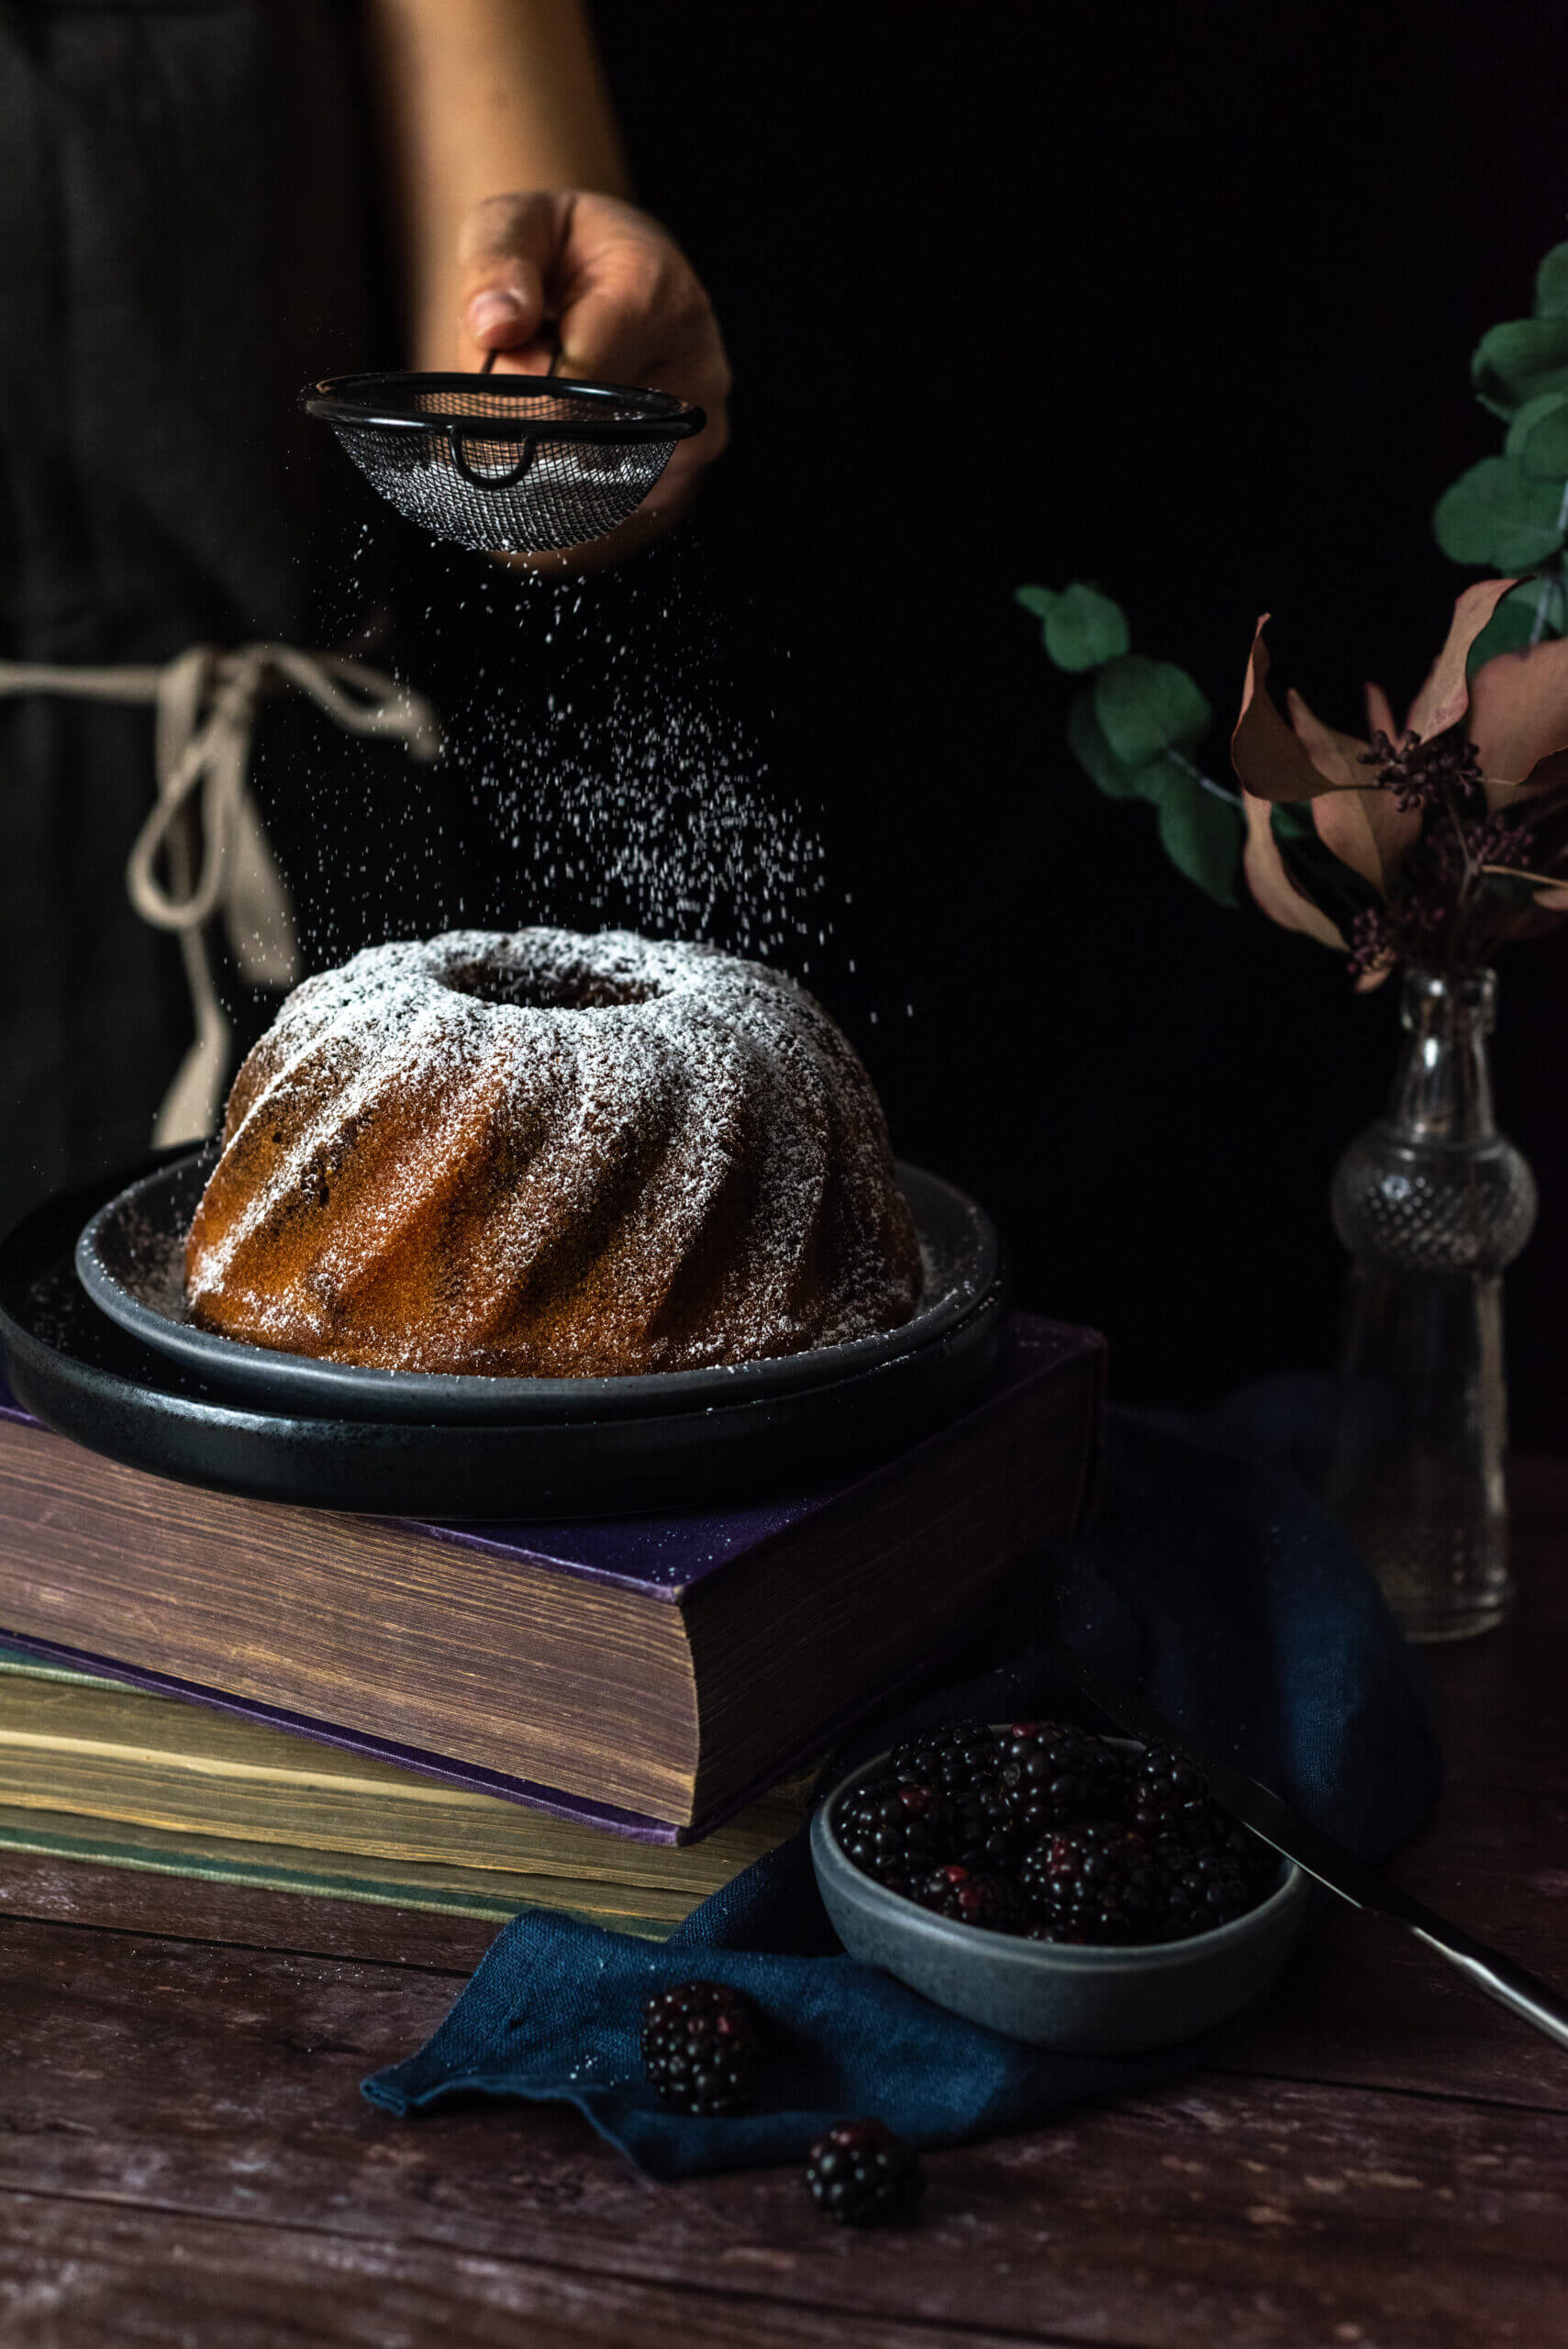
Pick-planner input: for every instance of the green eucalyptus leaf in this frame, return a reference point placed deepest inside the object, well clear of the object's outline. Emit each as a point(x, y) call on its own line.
point(1518, 359)
point(1497, 514)
point(1094, 753)
point(1083, 629)
point(1202, 835)
point(1551, 285)
point(1292, 819)
point(1538, 437)
point(1041, 601)
point(1535, 611)
point(1147, 706)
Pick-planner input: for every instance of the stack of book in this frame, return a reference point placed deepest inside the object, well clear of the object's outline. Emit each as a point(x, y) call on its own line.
point(610, 1718)
point(92, 1769)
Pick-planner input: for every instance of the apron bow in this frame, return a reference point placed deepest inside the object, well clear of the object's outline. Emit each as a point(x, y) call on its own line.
point(205, 703)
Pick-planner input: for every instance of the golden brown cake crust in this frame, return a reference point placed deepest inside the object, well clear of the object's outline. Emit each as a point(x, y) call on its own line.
point(552, 1155)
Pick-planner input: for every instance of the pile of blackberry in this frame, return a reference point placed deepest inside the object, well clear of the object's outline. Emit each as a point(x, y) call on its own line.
point(1047, 1831)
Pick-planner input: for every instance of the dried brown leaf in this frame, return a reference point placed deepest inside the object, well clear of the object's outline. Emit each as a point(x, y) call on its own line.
point(1358, 821)
point(1518, 719)
point(1444, 699)
point(1336, 756)
point(1380, 713)
point(1271, 885)
point(1272, 761)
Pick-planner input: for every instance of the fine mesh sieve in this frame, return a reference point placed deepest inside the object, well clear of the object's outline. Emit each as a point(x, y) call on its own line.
point(523, 465)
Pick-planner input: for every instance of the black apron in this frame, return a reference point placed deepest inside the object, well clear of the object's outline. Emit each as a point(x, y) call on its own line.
point(182, 245)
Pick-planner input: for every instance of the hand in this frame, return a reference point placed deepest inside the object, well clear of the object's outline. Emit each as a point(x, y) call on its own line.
point(626, 304)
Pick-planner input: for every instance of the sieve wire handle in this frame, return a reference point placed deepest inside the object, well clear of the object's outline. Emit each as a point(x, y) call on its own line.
point(492, 356)
point(530, 445)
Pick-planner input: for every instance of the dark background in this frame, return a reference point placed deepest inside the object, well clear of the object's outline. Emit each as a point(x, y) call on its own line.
point(1177, 299)
point(1180, 300)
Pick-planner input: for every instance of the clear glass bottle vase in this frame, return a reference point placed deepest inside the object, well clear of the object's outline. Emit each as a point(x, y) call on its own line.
point(1432, 1203)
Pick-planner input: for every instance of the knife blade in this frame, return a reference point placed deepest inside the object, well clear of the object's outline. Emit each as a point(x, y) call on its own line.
point(1323, 1856)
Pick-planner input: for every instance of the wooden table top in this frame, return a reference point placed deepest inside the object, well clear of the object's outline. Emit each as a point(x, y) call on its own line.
point(1382, 2162)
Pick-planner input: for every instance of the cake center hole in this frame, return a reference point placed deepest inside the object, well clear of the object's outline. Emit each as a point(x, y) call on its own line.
point(568, 990)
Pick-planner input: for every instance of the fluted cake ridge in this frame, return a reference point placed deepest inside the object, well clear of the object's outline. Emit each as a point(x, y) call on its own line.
point(551, 1155)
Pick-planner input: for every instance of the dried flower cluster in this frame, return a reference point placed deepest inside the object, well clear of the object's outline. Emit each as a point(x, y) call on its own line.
point(1445, 838)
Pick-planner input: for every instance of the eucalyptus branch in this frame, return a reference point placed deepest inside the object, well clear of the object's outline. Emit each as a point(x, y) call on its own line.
point(1204, 782)
point(1537, 880)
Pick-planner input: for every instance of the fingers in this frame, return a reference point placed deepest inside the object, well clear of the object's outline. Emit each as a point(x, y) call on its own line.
point(634, 310)
point(628, 308)
point(628, 304)
point(505, 253)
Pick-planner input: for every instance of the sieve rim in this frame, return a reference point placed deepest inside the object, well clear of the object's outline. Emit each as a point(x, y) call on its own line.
point(361, 401)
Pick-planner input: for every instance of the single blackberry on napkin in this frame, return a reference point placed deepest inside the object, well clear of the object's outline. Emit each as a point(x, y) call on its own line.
point(1055, 1775)
point(951, 1756)
point(1098, 1881)
point(973, 1898)
point(860, 2173)
point(896, 1833)
point(700, 2048)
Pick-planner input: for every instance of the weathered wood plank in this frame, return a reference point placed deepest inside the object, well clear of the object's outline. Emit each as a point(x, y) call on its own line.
point(1366, 2004)
point(220, 2084)
point(143, 1900)
point(1499, 1697)
point(74, 2276)
point(1499, 1704)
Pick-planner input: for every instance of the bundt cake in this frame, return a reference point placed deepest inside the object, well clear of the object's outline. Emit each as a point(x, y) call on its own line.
point(554, 1156)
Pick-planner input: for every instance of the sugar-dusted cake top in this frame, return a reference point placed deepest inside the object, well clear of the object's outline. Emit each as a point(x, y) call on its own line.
point(549, 1154)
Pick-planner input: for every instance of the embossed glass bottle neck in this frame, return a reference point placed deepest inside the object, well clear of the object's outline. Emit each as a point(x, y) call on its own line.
point(1442, 1088)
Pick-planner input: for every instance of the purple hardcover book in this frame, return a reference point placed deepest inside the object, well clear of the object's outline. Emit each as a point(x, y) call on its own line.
point(660, 1558)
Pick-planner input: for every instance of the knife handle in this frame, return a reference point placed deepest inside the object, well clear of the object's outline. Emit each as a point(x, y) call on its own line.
point(1501, 1979)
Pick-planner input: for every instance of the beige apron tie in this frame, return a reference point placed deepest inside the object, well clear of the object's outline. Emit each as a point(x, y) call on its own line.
point(204, 705)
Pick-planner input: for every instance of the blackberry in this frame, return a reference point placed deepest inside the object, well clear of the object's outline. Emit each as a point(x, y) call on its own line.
point(953, 1757)
point(973, 1898)
point(1163, 1787)
point(1053, 1776)
point(700, 2047)
point(896, 1833)
point(1171, 1805)
point(1098, 1882)
point(984, 1833)
point(1203, 1885)
point(1211, 1829)
point(860, 2173)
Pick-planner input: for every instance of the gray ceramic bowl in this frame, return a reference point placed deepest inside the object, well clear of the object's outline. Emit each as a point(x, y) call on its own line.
point(1090, 2001)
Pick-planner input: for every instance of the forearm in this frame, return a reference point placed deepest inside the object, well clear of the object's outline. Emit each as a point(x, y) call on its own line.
point(478, 98)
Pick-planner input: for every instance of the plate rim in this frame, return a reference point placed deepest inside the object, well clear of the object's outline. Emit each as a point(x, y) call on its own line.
point(279, 1380)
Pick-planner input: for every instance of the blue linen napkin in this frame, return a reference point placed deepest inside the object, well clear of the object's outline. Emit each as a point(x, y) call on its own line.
point(1214, 1584)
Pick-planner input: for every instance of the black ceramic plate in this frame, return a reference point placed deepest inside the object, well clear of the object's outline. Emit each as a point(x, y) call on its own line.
point(129, 1259)
point(88, 1377)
